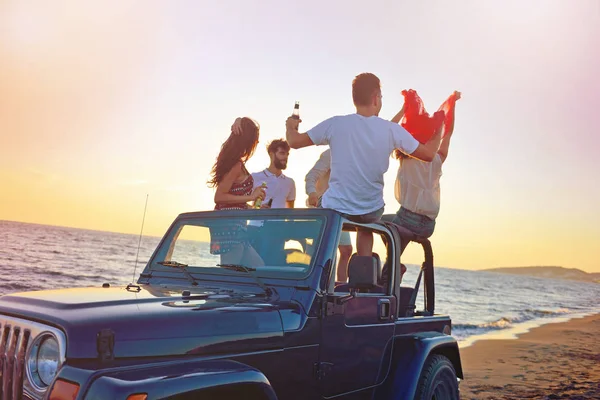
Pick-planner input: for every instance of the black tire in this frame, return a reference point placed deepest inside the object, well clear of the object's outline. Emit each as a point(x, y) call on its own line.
point(438, 380)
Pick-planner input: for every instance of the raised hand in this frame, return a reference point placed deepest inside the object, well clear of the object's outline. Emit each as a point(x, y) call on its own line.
point(236, 128)
point(292, 123)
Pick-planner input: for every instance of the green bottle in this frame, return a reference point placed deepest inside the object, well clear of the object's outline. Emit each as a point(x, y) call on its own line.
point(258, 202)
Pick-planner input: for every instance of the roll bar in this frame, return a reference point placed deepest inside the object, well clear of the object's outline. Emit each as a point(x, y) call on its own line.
point(427, 271)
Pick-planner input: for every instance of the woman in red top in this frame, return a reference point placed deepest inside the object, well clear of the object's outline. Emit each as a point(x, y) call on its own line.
point(234, 190)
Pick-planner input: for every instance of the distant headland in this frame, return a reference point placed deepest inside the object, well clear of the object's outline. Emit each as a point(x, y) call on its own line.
point(572, 274)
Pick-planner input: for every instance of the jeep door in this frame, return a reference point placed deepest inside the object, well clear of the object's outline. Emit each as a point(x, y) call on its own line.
point(356, 343)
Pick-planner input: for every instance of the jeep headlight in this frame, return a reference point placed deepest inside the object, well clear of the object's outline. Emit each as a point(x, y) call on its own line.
point(43, 361)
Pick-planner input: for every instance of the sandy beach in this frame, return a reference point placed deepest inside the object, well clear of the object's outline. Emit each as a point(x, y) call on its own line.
point(553, 361)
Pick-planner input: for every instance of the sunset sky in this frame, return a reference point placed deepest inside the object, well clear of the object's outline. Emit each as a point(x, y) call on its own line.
point(102, 104)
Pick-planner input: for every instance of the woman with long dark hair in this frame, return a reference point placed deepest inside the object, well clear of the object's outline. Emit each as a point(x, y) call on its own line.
point(234, 185)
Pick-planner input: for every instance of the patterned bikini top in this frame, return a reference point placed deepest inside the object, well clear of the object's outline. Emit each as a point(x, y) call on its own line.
point(243, 188)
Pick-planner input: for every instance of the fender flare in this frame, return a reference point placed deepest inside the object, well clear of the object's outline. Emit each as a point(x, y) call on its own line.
point(163, 380)
point(408, 359)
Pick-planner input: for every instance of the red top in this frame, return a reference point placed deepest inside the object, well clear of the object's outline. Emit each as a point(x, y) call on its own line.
point(419, 123)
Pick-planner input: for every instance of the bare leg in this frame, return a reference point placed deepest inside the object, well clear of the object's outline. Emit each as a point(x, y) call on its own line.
point(364, 243)
point(342, 267)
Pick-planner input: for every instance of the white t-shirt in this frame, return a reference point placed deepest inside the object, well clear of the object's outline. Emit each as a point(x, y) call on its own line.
point(417, 186)
point(279, 188)
point(360, 156)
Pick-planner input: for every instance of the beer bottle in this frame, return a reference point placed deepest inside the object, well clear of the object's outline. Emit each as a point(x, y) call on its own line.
point(258, 202)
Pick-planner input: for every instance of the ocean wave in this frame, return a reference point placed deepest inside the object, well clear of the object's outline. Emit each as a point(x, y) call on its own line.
point(16, 287)
point(73, 276)
point(547, 313)
point(508, 322)
point(501, 323)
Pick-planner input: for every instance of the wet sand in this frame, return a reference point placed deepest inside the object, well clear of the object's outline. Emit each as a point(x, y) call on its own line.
point(553, 361)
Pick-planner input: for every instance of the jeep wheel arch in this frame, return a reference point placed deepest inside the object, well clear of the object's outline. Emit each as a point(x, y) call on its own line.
point(411, 356)
point(210, 379)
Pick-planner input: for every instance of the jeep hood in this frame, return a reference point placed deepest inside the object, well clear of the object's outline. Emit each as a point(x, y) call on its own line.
point(153, 322)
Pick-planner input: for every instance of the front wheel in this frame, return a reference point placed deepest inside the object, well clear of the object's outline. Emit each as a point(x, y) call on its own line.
point(438, 380)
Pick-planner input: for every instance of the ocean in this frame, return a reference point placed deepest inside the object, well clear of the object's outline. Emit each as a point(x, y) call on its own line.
point(481, 304)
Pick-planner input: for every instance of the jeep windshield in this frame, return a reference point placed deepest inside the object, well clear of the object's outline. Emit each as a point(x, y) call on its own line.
point(273, 247)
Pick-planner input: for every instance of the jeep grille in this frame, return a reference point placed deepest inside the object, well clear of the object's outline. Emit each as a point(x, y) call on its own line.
point(13, 345)
point(16, 337)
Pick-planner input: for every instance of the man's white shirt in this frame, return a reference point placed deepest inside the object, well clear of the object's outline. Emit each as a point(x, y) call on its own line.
point(279, 188)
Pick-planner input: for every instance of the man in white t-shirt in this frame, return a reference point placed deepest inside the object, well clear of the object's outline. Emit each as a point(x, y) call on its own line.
point(280, 188)
point(317, 182)
point(361, 144)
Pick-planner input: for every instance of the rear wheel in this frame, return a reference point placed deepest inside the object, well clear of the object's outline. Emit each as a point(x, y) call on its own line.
point(438, 380)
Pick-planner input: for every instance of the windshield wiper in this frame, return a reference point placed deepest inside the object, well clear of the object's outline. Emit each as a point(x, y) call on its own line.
point(172, 264)
point(237, 267)
point(183, 267)
point(248, 270)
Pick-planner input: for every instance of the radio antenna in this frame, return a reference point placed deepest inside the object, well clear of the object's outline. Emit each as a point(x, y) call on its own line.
point(140, 241)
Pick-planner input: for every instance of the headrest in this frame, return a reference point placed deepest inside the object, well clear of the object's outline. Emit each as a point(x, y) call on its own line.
point(363, 271)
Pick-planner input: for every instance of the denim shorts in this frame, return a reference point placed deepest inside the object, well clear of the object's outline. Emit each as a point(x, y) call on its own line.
point(418, 224)
point(369, 218)
point(364, 219)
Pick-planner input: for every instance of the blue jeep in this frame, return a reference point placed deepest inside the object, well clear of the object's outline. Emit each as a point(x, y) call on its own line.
point(238, 305)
